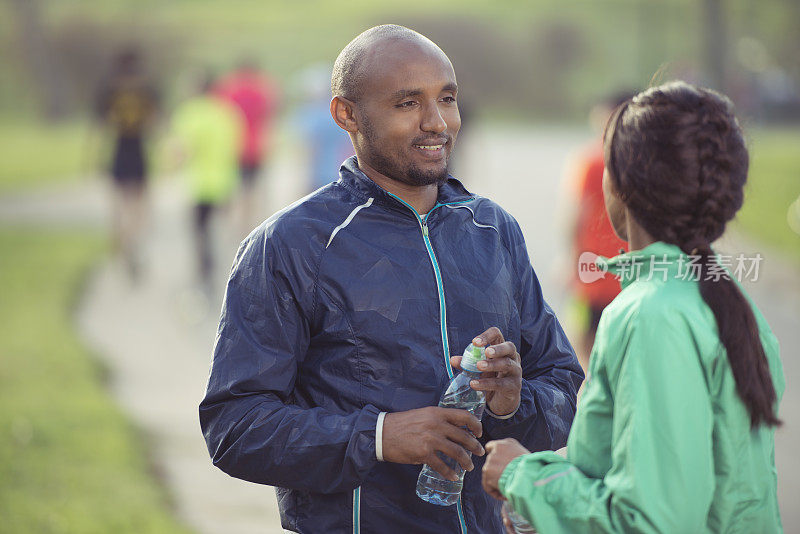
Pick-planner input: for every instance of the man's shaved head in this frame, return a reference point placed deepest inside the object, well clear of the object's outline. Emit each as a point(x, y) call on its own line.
point(394, 92)
point(348, 70)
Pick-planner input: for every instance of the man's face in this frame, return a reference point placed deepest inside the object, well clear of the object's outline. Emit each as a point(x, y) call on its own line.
point(407, 113)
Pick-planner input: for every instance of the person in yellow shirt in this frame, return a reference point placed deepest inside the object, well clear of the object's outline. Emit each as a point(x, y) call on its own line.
point(208, 130)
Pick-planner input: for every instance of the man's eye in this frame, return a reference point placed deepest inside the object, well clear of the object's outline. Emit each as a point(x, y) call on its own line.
point(406, 104)
point(449, 99)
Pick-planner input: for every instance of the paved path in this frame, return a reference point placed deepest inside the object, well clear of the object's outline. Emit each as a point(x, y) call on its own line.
point(156, 338)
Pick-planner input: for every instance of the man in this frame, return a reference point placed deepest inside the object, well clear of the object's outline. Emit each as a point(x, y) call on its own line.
point(342, 311)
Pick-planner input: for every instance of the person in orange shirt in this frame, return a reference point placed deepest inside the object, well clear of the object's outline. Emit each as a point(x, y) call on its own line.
point(591, 230)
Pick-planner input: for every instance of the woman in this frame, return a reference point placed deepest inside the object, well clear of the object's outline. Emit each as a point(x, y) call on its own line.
point(675, 430)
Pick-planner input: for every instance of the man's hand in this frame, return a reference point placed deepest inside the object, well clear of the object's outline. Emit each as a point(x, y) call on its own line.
point(501, 372)
point(414, 437)
point(501, 452)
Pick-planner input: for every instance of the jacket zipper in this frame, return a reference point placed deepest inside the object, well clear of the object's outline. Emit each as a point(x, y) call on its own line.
point(423, 224)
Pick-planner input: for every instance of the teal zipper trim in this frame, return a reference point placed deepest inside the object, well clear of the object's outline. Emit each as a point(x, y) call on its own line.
point(461, 516)
point(357, 510)
point(442, 305)
point(439, 204)
point(423, 224)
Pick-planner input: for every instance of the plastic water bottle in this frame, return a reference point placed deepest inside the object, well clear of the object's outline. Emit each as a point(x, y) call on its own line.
point(431, 486)
point(518, 523)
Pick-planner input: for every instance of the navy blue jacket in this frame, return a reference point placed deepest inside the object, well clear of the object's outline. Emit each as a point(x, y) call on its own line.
point(347, 304)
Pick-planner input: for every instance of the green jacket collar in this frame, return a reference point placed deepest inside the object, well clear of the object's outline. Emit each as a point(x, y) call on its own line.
point(657, 261)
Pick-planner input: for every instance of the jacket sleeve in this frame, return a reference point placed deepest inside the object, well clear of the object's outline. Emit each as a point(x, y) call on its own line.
point(661, 477)
point(252, 428)
point(550, 370)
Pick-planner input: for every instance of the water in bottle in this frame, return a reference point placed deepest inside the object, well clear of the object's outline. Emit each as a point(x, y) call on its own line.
point(431, 486)
point(518, 523)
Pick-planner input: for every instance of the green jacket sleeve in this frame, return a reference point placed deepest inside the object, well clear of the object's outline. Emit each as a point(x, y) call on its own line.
point(661, 475)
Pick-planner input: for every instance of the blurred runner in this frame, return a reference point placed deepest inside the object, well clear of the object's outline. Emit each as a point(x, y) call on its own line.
point(208, 130)
point(326, 145)
point(591, 230)
point(126, 104)
point(257, 97)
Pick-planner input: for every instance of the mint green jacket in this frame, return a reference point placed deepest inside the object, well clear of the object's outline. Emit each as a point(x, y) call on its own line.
point(661, 441)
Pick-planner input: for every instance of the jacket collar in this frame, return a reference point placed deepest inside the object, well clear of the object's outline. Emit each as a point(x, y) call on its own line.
point(452, 191)
point(656, 261)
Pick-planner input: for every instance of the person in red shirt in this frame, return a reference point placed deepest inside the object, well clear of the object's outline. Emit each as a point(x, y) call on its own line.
point(592, 231)
point(256, 96)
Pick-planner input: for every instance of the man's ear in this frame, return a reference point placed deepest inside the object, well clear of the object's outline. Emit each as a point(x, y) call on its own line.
point(343, 112)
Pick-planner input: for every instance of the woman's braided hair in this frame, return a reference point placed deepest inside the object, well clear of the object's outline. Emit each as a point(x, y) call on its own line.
point(677, 157)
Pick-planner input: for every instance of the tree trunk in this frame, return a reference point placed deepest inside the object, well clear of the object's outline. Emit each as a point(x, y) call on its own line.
point(715, 44)
point(50, 84)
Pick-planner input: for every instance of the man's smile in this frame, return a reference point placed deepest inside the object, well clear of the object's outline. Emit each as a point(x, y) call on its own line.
point(430, 147)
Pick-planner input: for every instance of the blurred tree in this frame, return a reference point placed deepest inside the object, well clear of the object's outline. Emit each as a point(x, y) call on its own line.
point(528, 72)
point(556, 47)
point(715, 44)
point(36, 50)
point(535, 59)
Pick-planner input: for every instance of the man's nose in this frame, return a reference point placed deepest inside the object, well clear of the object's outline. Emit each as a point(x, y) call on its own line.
point(433, 120)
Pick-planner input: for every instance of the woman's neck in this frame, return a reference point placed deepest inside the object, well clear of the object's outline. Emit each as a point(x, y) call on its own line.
point(638, 237)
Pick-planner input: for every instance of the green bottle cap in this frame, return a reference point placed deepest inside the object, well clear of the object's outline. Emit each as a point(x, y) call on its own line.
point(472, 355)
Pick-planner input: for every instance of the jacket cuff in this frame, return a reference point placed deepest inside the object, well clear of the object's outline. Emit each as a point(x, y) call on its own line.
point(531, 464)
point(366, 426)
point(499, 427)
point(506, 416)
point(508, 474)
point(379, 437)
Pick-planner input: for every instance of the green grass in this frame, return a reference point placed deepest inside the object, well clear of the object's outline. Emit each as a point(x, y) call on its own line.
point(36, 153)
point(774, 183)
point(69, 460)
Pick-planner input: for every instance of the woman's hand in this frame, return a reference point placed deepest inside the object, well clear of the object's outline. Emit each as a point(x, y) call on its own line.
point(500, 453)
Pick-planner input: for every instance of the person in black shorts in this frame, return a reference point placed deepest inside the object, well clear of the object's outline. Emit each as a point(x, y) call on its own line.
point(126, 104)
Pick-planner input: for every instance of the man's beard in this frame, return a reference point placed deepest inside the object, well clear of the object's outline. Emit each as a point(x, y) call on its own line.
point(410, 174)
